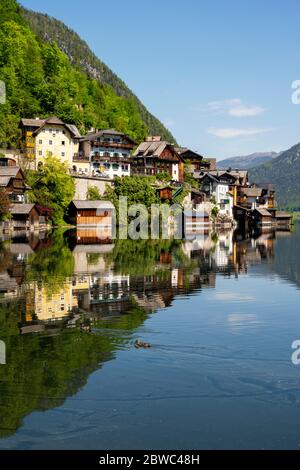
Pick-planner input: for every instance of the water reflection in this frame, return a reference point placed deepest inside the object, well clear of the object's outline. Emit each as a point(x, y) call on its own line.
point(67, 305)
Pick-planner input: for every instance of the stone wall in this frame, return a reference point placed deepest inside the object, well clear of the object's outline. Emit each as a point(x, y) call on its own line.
point(83, 183)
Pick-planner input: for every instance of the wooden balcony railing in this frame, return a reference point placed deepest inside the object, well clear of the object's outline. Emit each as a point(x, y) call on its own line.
point(112, 145)
point(80, 158)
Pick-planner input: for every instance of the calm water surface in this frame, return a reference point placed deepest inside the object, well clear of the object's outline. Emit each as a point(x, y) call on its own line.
point(220, 313)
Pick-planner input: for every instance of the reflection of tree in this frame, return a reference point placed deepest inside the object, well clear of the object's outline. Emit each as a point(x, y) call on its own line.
point(52, 265)
point(42, 371)
point(141, 257)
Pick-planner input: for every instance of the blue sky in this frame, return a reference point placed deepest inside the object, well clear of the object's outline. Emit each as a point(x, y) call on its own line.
point(218, 73)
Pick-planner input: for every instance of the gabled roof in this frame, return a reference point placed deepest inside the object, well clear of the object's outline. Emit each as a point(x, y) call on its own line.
point(32, 122)
point(74, 131)
point(107, 132)
point(11, 171)
point(103, 205)
point(22, 209)
point(154, 149)
point(263, 212)
point(215, 177)
point(4, 181)
point(185, 152)
point(252, 192)
point(161, 188)
point(241, 177)
point(283, 215)
point(53, 120)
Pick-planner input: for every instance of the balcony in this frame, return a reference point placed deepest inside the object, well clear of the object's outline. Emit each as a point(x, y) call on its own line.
point(114, 145)
point(81, 158)
point(109, 159)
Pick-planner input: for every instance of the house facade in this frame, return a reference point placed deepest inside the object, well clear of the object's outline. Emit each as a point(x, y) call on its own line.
point(92, 213)
point(107, 153)
point(198, 162)
point(12, 180)
point(217, 190)
point(154, 157)
point(43, 137)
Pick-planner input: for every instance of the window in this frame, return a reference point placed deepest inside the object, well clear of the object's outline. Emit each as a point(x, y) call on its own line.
point(107, 166)
point(116, 155)
point(115, 167)
point(50, 130)
point(50, 142)
point(63, 154)
point(40, 142)
point(40, 153)
point(43, 130)
point(63, 142)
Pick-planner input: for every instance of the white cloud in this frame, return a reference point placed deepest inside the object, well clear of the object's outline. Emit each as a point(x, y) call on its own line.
point(221, 105)
point(246, 111)
point(231, 133)
point(233, 296)
point(235, 107)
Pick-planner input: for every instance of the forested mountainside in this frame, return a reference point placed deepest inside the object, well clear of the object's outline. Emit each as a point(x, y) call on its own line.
point(248, 161)
point(284, 173)
point(48, 70)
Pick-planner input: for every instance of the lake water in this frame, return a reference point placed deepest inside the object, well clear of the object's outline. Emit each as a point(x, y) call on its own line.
point(220, 313)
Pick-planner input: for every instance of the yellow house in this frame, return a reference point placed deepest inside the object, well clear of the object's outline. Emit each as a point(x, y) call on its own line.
point(50, 306)
point(42, 137)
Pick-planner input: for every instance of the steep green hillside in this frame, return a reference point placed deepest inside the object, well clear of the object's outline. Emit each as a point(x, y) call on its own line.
point(44, 76)
point(284, 172)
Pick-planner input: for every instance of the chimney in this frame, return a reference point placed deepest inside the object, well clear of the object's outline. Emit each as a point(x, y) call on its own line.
point(153, 138)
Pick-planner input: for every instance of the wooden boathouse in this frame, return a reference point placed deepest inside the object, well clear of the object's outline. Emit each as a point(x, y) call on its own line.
point(91, 213)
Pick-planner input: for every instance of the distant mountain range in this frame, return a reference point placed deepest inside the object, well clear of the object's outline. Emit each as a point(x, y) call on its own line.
point(248, 161)
point(284, 173)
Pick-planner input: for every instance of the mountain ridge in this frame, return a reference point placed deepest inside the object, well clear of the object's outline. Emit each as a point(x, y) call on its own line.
point(50, 29)
point(284, 173)
point(49, 70)
point(246, 162)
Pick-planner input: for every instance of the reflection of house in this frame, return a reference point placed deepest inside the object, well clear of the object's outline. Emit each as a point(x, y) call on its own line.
point(42, 137)
point(108, 152)
point(109, 287)
point(12, 179)
point(195, 222)
point(156, 156)
point(44, 305)
point(90, 259)
point(91, 213)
